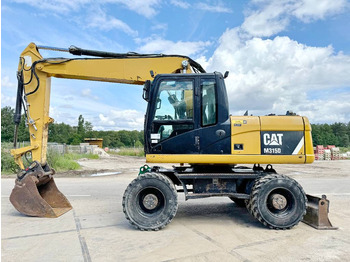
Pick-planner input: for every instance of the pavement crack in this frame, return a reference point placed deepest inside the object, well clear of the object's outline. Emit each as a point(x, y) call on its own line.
point(83, 245)
point(219, 245)
point(38, 235)
point(257, 243)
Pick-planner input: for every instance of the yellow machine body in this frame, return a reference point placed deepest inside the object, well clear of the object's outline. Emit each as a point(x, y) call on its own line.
point(246, 131)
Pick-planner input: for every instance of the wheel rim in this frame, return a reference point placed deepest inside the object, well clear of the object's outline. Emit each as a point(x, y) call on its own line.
point(280, 202)
point(151, 201)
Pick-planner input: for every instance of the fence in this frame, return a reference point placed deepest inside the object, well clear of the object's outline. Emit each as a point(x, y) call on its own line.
point(83, 148)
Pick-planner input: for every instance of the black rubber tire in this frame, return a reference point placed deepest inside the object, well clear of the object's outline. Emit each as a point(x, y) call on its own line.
point(238, 202)
point(133, 206)
point(248, 203)
point(260, 202)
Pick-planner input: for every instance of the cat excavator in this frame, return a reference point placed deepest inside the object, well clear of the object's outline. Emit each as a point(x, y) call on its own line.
point(187, 122)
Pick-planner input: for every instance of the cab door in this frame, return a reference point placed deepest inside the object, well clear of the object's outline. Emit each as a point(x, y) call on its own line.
point(213, 118)
point(171, 127)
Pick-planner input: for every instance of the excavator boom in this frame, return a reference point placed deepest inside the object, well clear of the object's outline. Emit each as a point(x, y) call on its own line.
point(35, 192)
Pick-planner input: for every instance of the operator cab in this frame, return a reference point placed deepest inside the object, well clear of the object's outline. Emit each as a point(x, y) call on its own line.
point(187, 114)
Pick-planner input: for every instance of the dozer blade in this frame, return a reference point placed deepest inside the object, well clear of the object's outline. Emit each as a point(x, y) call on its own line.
point(39, 197)
point(317, 213)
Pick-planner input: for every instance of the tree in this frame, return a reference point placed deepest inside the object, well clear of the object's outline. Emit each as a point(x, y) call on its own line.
point(87, 126)
point(60, 133)
point(7, 125)
point(81, 125)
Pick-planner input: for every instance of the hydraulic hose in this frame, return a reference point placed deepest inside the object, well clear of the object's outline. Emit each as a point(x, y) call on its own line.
point(18, 111)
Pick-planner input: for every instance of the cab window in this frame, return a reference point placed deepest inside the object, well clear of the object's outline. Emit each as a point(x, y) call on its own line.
point(209, 104)
point(174, 104)
point(174, 101)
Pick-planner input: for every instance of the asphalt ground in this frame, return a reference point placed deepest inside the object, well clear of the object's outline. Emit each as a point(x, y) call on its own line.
point(212, 229)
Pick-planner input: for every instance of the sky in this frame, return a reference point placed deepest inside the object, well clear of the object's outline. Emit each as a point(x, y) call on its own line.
point(281, 54)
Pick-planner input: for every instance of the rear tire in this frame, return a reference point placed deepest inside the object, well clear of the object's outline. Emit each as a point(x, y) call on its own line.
point(277, 201)
point(150, 201)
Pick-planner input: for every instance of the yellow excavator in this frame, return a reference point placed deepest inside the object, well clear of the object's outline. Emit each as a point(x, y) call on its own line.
point(187, 123)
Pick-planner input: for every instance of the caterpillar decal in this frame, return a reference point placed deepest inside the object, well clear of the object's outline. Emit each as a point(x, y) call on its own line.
point(281, 142)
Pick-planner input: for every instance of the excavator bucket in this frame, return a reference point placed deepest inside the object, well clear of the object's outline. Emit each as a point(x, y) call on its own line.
point(36, 194)
point(317, 213)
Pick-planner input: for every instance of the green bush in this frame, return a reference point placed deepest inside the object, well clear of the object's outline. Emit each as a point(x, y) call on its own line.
point(61, 162)
point(344, 149)
point(8, 164)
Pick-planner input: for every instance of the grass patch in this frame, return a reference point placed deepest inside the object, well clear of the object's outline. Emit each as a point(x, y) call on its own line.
point(67, 161)
point(61, 162)
point(125, 151)
point(74, 156)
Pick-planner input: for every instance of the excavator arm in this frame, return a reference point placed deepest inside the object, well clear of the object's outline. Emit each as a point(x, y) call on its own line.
point(33, 94)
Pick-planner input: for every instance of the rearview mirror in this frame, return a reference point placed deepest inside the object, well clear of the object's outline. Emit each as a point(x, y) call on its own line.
point(146, 90)
point(159, 103)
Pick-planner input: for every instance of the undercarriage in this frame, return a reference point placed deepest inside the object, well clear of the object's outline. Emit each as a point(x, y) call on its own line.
point(277, 201)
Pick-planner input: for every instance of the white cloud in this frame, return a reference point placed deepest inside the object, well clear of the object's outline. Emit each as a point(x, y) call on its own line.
point(218, 8)
point(121, 119)
point(159, 26)
point(99, 19)
point(160, 45)
point(7, 100)
point(335, 108)
point(307, 10)
point(268, 21)
point(59, 6)
point(142, 7)
point(87, 93)
point(268, 18)
point(181, 4)
point(145, 8)
point(7, 83)
point(8, 92)
point(276, 75)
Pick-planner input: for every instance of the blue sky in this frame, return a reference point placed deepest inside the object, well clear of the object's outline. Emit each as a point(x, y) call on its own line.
point(282, 54)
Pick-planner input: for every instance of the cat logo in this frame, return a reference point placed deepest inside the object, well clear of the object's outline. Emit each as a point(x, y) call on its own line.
point(273, 139)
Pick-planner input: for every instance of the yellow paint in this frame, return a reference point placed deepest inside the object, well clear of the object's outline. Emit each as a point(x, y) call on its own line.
point(188, 98)
point(309, 151)
point(226, 159)
point(245, 130)
point(18, 153)
point(281, 123)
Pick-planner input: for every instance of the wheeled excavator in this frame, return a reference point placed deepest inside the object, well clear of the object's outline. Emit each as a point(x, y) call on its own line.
point(187, 122)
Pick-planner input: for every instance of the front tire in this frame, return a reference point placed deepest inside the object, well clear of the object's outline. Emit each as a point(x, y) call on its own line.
point(150, 201)
point(277, 201)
